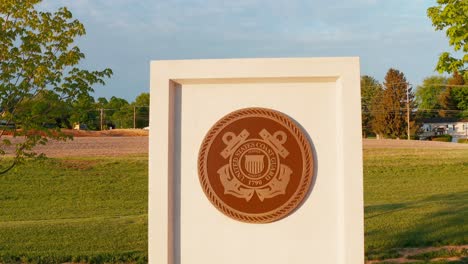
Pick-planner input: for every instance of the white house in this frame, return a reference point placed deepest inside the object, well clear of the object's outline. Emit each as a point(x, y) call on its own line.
point(457, 128)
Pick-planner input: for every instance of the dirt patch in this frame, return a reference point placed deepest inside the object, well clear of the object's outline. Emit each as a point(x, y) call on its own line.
point(107, 133)
point(91, 133)
point(408, 252)
point(92, 146)
point(134, 141)
point(97, 146)
point(393, 143)
point(115, 142)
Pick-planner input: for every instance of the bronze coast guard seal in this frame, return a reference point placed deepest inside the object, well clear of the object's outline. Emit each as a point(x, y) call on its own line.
point(255, 165)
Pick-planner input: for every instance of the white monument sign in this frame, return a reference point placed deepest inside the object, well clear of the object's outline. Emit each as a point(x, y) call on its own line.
point(256, 161)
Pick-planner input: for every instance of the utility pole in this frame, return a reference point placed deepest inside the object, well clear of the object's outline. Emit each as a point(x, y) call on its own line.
point(408, 110)
point(134, 117)
point(102, 117)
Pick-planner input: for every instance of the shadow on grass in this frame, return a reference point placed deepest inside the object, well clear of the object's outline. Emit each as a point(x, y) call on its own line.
point(445, 225)
point(384, 209)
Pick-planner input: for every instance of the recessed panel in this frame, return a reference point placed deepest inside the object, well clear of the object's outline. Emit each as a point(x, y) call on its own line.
point(311, 229)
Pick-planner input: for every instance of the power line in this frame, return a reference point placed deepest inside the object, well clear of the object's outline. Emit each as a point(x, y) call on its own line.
point(429, 85)
point(405, 110)
point(447, 85)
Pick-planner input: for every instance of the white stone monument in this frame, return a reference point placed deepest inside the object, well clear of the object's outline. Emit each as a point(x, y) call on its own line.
point(256, 161)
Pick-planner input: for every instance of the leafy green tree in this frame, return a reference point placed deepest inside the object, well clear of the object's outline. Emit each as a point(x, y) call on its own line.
point(448, 107)
point(85, 112)
point(370, 88)
point(141, 105)
point(101, 102)
point(390, 113)
point(45, 101)
point(459, 94)
point(120, 112)
point(37, 54)
point(452, 16)
point(441, 96)
point(378, 111)
point(428, 95)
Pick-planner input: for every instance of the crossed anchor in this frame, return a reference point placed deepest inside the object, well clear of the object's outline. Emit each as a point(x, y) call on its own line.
point(276, 186)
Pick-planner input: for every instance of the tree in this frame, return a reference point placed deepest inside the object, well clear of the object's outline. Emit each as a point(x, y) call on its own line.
point(37, 54)
point(390, 113)
point(85, 112)
point(141, 105)
point(32, 108)
point(441, 96)
point(428, 95)
point(120, 112)
point(459, 94)
point(378, 112)
point(101, 102)
point(447, 102)
point(370, 88)
point(452, 16)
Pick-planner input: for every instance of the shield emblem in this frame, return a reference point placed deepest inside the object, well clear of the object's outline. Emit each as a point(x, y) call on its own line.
point(254, 163)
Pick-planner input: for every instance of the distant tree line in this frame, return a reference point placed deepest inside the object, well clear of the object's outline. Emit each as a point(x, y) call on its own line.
point(85, 112)
point(387, 107)
point(106, 113)
point(440, 96)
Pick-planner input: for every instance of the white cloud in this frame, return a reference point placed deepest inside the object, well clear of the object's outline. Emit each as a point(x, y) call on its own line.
point(148, 29)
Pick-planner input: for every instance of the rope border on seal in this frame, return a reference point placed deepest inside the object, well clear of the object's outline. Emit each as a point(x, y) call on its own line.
point(306, 179)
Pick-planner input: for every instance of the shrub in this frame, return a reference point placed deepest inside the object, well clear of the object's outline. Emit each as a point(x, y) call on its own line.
point(463, 140)
point(443, 138)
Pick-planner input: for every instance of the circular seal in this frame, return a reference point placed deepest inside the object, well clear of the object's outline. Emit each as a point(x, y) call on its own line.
point(255, 165)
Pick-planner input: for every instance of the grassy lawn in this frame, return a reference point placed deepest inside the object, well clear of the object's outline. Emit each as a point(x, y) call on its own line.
point(95, 209)
point(414, 198)
point(82, 209)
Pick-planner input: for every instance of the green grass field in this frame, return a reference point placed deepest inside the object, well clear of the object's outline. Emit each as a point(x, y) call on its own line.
point(415, 198)
point(83, 209)
point(95, 209)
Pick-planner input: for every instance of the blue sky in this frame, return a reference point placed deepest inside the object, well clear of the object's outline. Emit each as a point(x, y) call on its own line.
point(126, 35)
